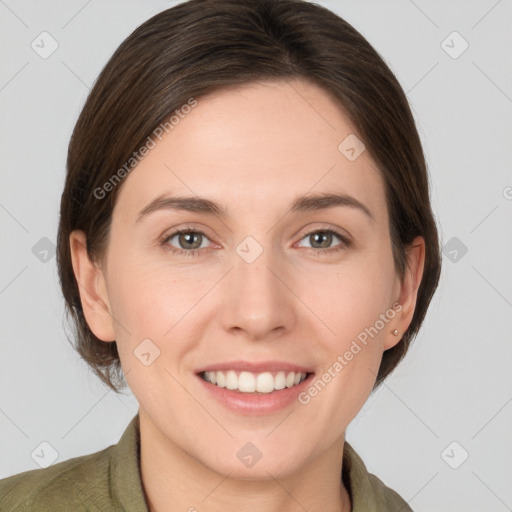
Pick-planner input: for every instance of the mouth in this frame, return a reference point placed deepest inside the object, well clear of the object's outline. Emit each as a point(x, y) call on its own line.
point(256, 383)
point(254, 388)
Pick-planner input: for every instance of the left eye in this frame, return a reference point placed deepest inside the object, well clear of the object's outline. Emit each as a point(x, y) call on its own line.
point(323, 239)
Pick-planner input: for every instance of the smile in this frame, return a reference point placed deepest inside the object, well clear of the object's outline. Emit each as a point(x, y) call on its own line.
point(249, 382)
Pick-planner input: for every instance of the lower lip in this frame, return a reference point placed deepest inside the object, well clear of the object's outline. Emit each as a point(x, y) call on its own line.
point(255, 404)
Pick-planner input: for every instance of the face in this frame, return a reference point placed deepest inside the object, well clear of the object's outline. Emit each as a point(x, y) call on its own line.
point(267, 288)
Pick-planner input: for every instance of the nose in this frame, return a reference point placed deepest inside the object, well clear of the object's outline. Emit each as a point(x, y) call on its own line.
point(256, 299)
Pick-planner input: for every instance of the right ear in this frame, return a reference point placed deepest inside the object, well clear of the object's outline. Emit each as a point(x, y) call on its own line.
point(92, 288)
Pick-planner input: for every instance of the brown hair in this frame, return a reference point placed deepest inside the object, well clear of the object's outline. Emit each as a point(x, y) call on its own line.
point(201, 46)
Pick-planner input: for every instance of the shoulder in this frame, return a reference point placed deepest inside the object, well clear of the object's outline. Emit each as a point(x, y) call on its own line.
point(77, 484)
point(386, 497)
point(368, 492)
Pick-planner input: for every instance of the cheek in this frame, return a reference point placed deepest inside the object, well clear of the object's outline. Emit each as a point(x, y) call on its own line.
point(352, 351)
point(155, 302)
point(353, 298)
point(352, 302)
point(158, 301)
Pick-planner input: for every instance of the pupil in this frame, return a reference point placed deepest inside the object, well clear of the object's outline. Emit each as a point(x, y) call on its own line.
point(322, 234)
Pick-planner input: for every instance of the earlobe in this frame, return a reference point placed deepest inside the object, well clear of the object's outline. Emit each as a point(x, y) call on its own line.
point(92, 289)
point(408, 291)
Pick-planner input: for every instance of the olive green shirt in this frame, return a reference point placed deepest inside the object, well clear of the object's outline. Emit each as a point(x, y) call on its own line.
point(109, 480)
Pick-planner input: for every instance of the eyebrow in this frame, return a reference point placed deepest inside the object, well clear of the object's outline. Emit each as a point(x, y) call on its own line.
point(302, 203)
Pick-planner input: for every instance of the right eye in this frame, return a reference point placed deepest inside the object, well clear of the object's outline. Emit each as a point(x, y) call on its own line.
point(190, 242)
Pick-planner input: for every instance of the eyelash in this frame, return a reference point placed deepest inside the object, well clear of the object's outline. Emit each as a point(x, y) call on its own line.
point(345, 243)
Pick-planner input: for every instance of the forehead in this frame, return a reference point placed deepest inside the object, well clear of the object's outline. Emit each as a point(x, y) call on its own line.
point(255, 146)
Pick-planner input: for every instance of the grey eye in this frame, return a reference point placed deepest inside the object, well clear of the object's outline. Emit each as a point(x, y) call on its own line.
point(321, 239)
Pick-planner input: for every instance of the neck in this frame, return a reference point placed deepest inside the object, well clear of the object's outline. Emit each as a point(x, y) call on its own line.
point(173, 478)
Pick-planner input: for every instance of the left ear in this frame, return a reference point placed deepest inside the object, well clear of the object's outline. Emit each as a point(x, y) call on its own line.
point(415, 255)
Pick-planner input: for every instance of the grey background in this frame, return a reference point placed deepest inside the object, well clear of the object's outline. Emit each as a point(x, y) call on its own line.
point(454, 385)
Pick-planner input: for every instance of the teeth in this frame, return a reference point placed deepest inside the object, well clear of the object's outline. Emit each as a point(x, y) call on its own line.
point(265, 383)
point(280, 380)
point(231, 380)
point(247, 382)
point(221, 379)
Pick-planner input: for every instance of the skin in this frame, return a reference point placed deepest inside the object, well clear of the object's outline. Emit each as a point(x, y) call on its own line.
point(253, 150)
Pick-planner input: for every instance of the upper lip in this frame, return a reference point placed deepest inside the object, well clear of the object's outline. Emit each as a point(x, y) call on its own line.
point(254, 367)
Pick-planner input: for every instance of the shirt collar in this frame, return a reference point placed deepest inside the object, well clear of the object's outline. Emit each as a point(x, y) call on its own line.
point(126, 481)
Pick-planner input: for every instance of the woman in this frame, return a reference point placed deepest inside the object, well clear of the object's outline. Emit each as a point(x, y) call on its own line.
point(246, 238)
